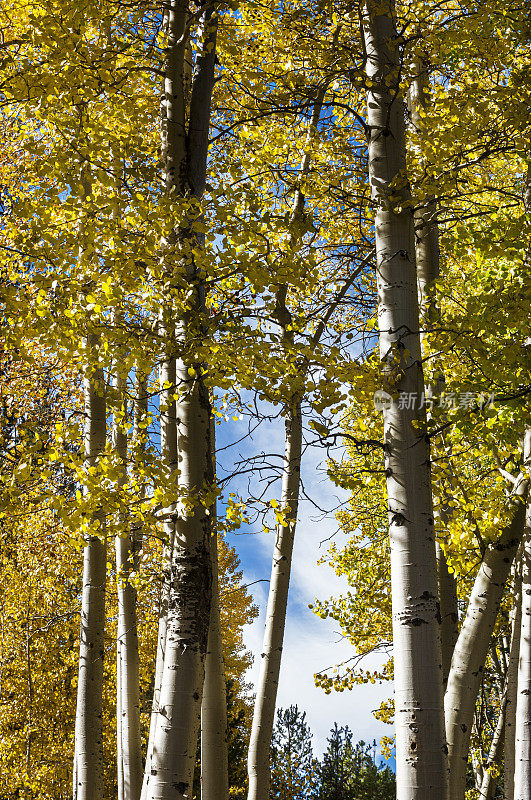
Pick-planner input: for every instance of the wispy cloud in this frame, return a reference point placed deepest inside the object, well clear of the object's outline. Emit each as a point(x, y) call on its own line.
point(310, 644)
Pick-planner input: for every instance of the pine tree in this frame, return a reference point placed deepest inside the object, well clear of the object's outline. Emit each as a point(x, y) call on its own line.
point(335, 779)
point(292, 762)
point(348, 771)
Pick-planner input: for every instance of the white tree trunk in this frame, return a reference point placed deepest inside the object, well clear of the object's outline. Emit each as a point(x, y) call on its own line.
point(88, 746)
point(129, 755)
point(449, 619)
point(184, 156)
point(214, 755)
point(178, 716)
point(474, 640)
point(522, 772)
point(489, 781)
point(168, 447)
point(267, 685)
point(264, 710)
point(428, 271)
point(421, 769)
point(512, 682)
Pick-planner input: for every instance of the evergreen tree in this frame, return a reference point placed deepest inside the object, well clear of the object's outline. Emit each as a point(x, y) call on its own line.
point(335, 778)
point(348, 772)
point(292, 762)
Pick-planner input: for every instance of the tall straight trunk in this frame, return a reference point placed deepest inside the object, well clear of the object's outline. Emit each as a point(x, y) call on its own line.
point(214, 754)
point(264, 709)
point(168, 446)
point(421, 769)
point(184, 156)
point(449, 618)
point(129, 754)
point(88, 745)
point(489, 782)
point(522, 747)
point(258, 756)
point(512, 682)
point(266, 689)
point(474, 640)
point(427, 253)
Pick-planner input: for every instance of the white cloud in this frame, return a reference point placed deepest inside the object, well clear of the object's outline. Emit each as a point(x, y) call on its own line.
point(312, 644)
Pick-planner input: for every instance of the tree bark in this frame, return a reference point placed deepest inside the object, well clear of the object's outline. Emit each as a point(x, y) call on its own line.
point(258, 759)
point(474, 640)
point(168, 447)
point(88, 746)
point(512, 682)
point(129, 754)
point(488, 784)
point(427, 253)
point(188, 615)
point(449, 617)
point(214, 755)
point(522, 772)
point(266, 689)
point(421, 769)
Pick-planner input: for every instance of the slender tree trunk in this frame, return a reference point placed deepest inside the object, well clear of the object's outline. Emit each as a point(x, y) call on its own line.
point(214, 755)
point(129, 754)
point(427, 253)
point(266, 689)
point(474, 640)
point(88, 747)
point(421, 769)
point(522, 773)
point(512, 682)
point(184, 157)
point(264, 711)
point(168, 446)
point(449, 619)
point(488, 784)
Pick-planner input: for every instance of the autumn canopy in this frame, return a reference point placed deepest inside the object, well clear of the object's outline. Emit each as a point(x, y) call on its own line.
point(311, 220)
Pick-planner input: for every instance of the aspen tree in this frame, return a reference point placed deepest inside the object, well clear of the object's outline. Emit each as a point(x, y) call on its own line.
point(168, 446)
point(428, 271)
point(128, 737)
point(522, 748)
point(88, 752)
point(420, 746)
point(271, 655)
point(88, 741)
point(472, 646)
point(214, 753)
point(489, 774)
point(512, 682)
point(184, 158)
point(277, 601)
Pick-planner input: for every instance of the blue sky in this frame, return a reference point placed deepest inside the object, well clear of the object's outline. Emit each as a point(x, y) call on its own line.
point(311, 644)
